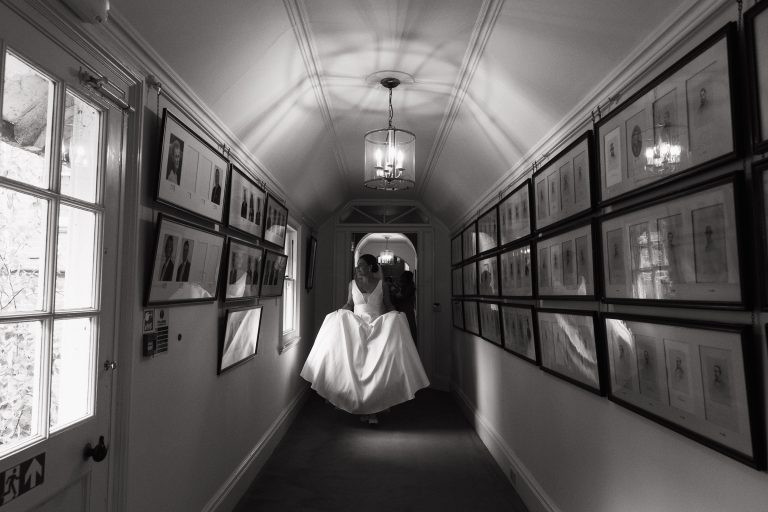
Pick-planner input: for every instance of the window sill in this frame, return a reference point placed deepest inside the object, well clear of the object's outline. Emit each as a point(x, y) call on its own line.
point(288, 342)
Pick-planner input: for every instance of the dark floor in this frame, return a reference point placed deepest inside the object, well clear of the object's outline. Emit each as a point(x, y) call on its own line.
point(422, 456)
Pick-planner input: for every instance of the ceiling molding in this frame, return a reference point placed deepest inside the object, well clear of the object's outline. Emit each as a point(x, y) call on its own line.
point(631, 73)
point(297, 13)
point(481, 33)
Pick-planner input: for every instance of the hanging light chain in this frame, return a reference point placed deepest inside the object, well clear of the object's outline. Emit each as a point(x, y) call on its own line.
point(391, 112)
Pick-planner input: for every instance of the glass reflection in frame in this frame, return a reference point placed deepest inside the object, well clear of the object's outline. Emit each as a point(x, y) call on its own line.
point(516, 276)
point(490, 327)
point(569, 347)
point(517, 327)
point(515, 215)
point(487, 227)
point(489, 276)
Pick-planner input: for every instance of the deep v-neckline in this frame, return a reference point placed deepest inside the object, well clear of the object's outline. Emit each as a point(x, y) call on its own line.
point(364, 294)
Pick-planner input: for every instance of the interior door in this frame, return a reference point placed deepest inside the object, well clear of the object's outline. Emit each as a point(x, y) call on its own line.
point(60, 158)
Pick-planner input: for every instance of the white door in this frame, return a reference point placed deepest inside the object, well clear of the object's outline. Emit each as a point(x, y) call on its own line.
point(60, 158)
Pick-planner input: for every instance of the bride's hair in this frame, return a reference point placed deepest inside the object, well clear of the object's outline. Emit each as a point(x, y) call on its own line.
point(371, 260)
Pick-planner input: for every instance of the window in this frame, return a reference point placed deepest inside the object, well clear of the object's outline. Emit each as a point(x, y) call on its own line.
point(290, 294)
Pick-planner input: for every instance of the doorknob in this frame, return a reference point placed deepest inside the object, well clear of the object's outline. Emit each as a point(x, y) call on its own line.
point(98, 452)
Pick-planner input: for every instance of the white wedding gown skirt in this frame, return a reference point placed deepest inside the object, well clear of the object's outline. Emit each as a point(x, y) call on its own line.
point(364, 365)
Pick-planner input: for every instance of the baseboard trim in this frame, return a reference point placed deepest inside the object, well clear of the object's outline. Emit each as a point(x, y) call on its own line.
point(532, 494)
point(235, 486)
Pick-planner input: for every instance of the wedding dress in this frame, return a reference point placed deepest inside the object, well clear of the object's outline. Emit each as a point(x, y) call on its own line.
point(365, 362)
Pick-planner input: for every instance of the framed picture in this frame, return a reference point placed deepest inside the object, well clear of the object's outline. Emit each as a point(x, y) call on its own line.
point(490, 322)
point(457, 281)
point(515, 214)
point(760, 181)
point(469, 277)
point(516, 271)
point(567, 179)
point(246, 204)
point(682, 122)
point(756, 25)
point(243, 268)
point(488, 230)
point(456, 250)
point(488, 281)
point(311, 260)
point(275, 221)
point(694, 377)
point(570, 269)
point(273, 274)
point(458, 314)
point(518, 326)
point(469, 241)
point(192, 175)
point(471, 319)
point(683, 249)
point(569, 347)
point(185, 266)
point(241, 337)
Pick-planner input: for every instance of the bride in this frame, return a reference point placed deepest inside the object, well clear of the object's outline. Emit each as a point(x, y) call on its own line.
point(365, 362)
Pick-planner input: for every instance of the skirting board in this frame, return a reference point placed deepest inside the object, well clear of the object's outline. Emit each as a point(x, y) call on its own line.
point(526, 486)
point(235, 486)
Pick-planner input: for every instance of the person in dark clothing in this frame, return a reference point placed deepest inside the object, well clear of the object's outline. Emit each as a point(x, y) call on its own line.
point(404, 300)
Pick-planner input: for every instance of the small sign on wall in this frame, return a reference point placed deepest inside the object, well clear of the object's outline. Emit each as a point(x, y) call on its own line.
point(22, 478)
point(155, 331)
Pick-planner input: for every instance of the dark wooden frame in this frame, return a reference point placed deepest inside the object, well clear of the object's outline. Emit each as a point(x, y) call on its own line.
point(594, 246)
point(534, 282)
point(759, 139)
point(477, 311)
point(489, 256)
point(273, 201)
point(531, 206)
point(230, 201)
point(225, 269)
point(536, 350)
point(483, 335)
point(759, 171)
point(281, 279)
point(493, 211)
point(221, 370)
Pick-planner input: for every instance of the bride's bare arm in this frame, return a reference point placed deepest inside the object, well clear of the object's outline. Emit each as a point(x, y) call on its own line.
point(350, 304)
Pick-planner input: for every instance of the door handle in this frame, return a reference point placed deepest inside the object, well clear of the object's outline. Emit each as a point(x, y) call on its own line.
point(98, 452)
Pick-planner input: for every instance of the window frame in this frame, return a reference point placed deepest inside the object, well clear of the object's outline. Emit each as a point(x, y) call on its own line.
point(291, 335)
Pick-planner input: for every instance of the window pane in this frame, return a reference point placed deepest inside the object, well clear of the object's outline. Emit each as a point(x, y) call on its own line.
point(23, 224)
point(288, 306)
point(26, 124)
point(75, 259)
point(71, 371)
point(79, 149)
point(20, 347)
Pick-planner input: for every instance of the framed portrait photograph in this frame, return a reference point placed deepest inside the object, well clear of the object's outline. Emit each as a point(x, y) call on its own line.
point(569, 271)
point(309, 281)
point(518, 327)
point(456, 250)
point(275, 221)
point(458, 314)
point(241, 337)
point(469, 241)
point(471, 317)
point(490, 322)
point(488, 230)
point(515, 221)
point(273, 274)
point(691, 376)
point(243, 270)
point(488, 276)
point(246, 204)
point(567, 178)
point(469, 278)
point(569, 347)
point(516, 272)
point(185, 266)
point(681, 122)
point(192, 174)
point(683, 249)
point(457, 281)
point(756, 27)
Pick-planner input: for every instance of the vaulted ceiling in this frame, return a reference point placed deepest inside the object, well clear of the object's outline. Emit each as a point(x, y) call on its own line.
point(293, 79)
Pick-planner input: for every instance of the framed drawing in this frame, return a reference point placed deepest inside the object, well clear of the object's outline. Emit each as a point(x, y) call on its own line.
point(682, 249)
point(569, 347)
point(457, 282)
point(567, 178)
point(185, 266)
point(241, 337)
point(518, 326)
point(469, 278)
point(488, 282)
point(760, 181)
point(243, 268)
point(471, 319)
point(456, 250)
point(458, 314)
point(488, 230)
point(756, 25)
point(309, 282)
point(192, 175)
point(515, 214)
point(569, 271)
point(694, 377)
point(275, 220)
point(469, 241)
point(516, 272)
point(490, 322)
point(681, 122)
point(246, 204)
point(273, 274)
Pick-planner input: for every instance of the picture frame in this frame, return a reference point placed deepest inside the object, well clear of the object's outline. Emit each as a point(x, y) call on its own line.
point(456, 257)
point(760, 189)
point(192, 175)
point(518, 327)
point(490, 322)
point(273, 274)
point(488, 231)
point(516, 271)
point(469, 278)
point(242, 277)
point(469, 241)
point(515, 220)
point(488, 276)
point(247, 202)
point(185, 265)
point(682, 122)
point(570, 347)
point(457, 281)
point(275, 222)
point(681, 249)
point(756, 29)
point(567, 178)
point(471, 317)
point(566, 263)
point(697, 378)
point(309, 281)
point(241, 337)
point(457, 310)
